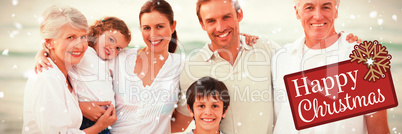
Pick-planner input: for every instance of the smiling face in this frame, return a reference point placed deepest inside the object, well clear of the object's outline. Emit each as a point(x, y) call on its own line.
point(208, 113)
point(156, 31)
point(317, 17)
point(109, 44)
point(221, 22)
point(68, 49)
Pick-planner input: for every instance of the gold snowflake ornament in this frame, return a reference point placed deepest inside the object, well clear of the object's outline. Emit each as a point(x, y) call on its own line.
point(375, 56)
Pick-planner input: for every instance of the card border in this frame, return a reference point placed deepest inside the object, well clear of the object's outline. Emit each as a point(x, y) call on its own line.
point(298, 127)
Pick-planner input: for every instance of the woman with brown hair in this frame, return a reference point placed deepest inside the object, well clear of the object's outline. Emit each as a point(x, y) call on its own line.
point(146, 81)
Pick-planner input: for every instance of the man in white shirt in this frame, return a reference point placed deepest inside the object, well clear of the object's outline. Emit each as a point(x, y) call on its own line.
point(321, 45)
point(244, 69)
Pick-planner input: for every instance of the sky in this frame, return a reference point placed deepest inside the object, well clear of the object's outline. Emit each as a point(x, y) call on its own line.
point(274, 19)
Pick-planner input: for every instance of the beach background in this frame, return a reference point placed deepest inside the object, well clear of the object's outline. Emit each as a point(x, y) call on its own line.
point(274, 19)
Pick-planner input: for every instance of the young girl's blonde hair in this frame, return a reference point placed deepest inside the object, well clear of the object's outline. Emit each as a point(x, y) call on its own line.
point(107, 24)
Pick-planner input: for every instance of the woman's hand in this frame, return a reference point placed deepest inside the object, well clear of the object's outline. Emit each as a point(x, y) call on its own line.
point(106, 120)
point(93, 110)
point(250, 39)
point(41, 61)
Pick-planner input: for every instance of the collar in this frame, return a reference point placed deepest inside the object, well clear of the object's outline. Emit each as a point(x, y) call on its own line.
point(207, 54)
point(299, 45)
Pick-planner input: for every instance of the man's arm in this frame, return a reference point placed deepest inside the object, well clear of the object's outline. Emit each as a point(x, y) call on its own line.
point(352, 38)
point(377, 123)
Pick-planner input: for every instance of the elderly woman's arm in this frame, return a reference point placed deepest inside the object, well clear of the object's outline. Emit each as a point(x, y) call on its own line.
point(50, 107)
point(107, 119)
point(46, 103)
point(93, 110)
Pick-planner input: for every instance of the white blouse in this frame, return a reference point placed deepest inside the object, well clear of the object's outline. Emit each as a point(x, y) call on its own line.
point(145, 109)
point(91, 78)
point(49, 106)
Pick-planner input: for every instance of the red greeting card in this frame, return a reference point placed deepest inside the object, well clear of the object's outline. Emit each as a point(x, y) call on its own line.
point(342, 90)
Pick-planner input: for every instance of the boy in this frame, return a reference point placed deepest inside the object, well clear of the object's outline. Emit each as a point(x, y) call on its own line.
point(207, 101)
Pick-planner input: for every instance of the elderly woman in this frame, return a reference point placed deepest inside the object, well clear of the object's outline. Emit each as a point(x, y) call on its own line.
point(50, 102)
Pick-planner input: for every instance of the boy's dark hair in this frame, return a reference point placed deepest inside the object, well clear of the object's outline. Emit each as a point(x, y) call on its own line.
point(206, 87)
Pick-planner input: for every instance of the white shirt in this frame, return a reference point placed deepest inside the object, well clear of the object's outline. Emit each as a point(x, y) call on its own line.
point(145, 109)
point(49, 107)
point(91, 78)
point(291, 59)
point(248, 82)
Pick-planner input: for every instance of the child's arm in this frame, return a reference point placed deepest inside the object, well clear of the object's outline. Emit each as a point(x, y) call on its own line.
point(377, 123)
point(41, 61)
point(93, 109)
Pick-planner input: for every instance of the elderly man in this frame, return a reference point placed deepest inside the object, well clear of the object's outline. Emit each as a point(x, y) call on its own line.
point(321, 45)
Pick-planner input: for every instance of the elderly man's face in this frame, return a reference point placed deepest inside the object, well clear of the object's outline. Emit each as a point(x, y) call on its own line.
point(317, 17)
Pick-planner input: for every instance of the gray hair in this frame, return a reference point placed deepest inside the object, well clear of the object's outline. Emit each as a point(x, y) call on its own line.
point(56, 16)
point(296, 2)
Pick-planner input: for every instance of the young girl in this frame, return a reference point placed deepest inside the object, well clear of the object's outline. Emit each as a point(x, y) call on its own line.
point(91, 77)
